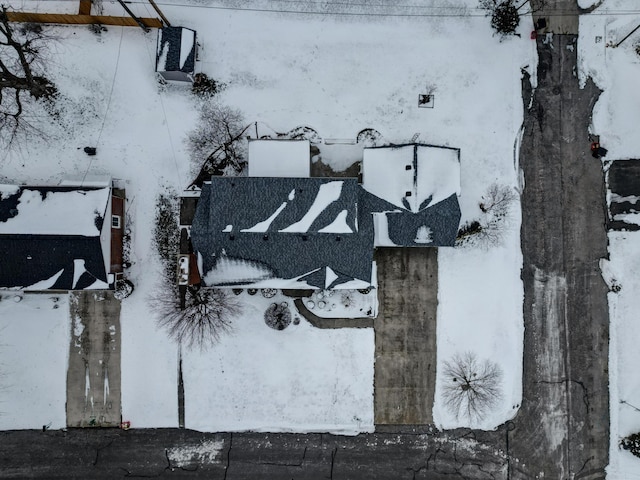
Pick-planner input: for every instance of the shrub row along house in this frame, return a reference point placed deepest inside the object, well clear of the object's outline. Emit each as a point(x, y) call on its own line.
point(280, 228)
point(64, 237)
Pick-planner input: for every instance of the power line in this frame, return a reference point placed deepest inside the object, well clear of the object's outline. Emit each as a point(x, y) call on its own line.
point(455, 12)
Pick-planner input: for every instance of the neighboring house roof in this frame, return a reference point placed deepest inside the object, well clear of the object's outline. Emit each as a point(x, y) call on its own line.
point(176, 53)
point(282, 232)
point(413, 194)
point(50, 237)
point(279, 158)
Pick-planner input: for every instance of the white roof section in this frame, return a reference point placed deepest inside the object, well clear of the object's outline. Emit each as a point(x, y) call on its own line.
point(412, 173)
point(279, 158)
point(58, 213)
point(86, 181)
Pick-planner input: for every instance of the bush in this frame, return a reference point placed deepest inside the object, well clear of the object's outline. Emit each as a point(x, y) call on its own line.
point(632, 444)
point(278, 316)
point(206, 87)
point(505, 18)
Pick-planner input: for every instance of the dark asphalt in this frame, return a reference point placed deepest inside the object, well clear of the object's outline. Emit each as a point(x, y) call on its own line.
point(91, 453)
point(562, 428)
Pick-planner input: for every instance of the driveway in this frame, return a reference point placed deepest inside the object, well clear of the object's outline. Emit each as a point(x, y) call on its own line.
point(93, 377)
point(405, 369)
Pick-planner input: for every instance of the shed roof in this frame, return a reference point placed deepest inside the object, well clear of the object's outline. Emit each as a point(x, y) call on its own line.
point(176, 51)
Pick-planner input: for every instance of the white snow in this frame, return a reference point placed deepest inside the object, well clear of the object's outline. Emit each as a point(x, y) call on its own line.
point(279, 158)
point(309, 71)
point(34, 353)
point(233, 270)
point(45, 284)
point(339, 224)
point(390, 174)
point(187, 43)
point(264, 225)
point(299, 379)
point(59, 213)
point(327, 194)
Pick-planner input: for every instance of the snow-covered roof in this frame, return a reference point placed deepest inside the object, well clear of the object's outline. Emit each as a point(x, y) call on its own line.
point(50, 237)
point(289, 232)
point(53, 211)
point(413, 194)
point(279, 158)
point(176, 53)
point(411, 177)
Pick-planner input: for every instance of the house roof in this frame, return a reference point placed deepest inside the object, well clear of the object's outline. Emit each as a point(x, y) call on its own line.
point(176, 50)
point(50, 237)
point(279, 158)
point(290, 232)
point(411, 177)
point(412, 191)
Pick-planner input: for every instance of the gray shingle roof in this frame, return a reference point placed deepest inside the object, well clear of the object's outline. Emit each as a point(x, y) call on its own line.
point(279, 226)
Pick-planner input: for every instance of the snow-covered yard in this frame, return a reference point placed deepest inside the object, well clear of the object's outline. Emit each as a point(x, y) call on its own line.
point(339, 75)
point(34, 353)
point(615, 70)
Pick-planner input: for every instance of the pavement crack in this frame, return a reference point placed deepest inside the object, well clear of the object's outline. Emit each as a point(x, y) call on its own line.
point(99, 449)
point(585, 390)
point(226, 468)
point(334, 452)
point(298, 464)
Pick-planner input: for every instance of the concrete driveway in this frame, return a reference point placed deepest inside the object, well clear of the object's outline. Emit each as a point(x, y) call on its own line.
point(405, 370)
point(93, 377)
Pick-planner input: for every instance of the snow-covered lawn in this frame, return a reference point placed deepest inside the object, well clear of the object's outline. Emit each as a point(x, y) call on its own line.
point(34, 353)
point(297, 379)
point(339, 75)
point(615, 118)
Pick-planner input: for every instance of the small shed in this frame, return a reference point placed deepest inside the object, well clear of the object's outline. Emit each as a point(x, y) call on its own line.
point(176, 54)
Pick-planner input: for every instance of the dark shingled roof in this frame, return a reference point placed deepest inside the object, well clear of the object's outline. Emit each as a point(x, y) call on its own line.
point(442, 220)
point(29, 259)
point(244, 202)
point(170, 41)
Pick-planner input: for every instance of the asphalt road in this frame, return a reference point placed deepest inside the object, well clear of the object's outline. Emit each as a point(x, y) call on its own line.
point(562, 428)
point(112, 453)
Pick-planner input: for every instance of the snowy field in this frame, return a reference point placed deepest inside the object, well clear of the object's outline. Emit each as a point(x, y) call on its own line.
point(615, 118)
point(34, 353)
point(338, 75)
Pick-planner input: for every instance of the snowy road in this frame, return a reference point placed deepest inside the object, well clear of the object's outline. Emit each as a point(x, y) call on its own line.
point(562, 429)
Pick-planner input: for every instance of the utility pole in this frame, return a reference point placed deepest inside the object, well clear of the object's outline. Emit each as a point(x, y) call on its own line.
point(132, 15)
point(157, 9)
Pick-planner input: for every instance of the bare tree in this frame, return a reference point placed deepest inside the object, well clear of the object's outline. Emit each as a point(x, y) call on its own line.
point(22, 78)
point(207, 315)
point(217, 145)
point(496, 207)
point(471, 387)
